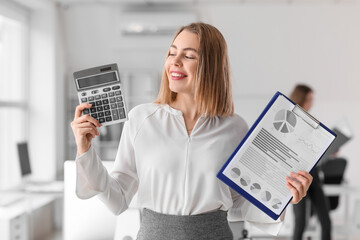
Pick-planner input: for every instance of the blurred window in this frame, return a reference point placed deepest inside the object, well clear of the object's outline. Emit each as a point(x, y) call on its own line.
point(14, 48)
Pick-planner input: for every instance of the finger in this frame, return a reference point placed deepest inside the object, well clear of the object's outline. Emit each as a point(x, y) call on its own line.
point(294, 181)
point(306, 175)
point(80, 108)
point(296, 197)
point(303, 177)
point(300, 188)
point(85, 131)
point(88, 118)
point(298, 177)
point(88, 125)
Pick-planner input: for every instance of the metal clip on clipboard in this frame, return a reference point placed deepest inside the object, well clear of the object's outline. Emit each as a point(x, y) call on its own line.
point(300, 112)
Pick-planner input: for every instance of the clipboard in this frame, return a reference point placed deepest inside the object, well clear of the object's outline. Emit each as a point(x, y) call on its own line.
point(284, 138)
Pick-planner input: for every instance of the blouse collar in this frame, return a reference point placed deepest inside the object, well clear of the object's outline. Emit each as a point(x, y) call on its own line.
point(176, 112)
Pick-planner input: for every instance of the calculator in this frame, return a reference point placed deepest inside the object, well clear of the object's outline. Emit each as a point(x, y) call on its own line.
point(100, 86)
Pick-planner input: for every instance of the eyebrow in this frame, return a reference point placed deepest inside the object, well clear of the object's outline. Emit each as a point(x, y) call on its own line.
point(186, 49)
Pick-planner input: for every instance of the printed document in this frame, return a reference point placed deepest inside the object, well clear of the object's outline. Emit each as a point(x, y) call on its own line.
point(285, 139)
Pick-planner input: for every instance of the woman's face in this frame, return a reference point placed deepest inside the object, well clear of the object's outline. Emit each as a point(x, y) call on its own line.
point(181, 64)
point(309, 98)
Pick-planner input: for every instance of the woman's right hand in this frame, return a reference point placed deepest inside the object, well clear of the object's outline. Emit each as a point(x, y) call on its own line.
point(84, 128)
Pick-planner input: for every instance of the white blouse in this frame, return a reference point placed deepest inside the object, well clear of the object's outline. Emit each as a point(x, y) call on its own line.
point(172, 172)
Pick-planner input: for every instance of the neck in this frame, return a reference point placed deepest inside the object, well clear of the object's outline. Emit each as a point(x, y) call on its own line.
point(187, 106)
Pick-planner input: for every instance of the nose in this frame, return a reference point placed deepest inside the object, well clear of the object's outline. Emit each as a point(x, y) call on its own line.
point(176, 61)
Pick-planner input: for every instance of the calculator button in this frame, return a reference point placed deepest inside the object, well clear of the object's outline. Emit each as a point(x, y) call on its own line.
point(101, 120)
point(86, 111)
point(122, 113)
point(91, 98)
point(108, 119)
point(107, 113)
point(106, 107)
point(111, 94)
point(98, 103)
point(120, 104)
point(115, 87)
point(99, 109)
point(94, 91)
point(94, 115)
point(97, 97)
point(92, 104)
point(117, 93)
point(112, 100)
point(105, 101)
point(118, 99)
point(83, 94)
point(106, 89)
point(101, 114)
point(115, 114)
point(93, 110)
point(84, 99)
point(113, 105)
point(104, 95)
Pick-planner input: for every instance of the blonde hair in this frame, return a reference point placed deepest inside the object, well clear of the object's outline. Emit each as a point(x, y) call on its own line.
point(213, 90)
point(299, 93)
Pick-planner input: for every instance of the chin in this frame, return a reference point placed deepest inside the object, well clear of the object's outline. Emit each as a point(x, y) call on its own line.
point(176, 89)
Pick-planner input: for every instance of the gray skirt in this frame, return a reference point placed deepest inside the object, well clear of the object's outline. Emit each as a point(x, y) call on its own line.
point(158, 226)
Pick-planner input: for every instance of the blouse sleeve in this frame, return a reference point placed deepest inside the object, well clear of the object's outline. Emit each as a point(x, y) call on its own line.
point(243, 210)
point(117, 188)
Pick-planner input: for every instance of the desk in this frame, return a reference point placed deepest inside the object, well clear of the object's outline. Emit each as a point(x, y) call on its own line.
point(344, 191)
point(29, 218)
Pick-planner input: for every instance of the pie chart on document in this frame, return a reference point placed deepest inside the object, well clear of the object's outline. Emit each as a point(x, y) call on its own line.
point(266, 196)
point(235, 172)
point(255, 188)
point(245, 180)
point(285, 121)
point(276, 203)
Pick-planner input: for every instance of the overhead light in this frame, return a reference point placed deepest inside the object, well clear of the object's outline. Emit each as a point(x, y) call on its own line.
point(137, 29)
point(151, 24)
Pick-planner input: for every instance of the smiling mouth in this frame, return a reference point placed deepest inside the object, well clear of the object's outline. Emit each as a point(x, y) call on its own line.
point(177, 75)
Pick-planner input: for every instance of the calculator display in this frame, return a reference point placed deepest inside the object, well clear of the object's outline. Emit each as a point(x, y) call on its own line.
point(97, 80)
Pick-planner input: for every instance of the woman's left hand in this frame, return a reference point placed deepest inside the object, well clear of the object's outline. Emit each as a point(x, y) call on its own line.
point(298, 184)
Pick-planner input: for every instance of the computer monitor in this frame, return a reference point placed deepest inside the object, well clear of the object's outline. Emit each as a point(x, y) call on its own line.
point(24, 159)
point(28, 184)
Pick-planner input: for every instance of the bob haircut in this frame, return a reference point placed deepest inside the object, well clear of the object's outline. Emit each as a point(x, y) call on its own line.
point(212, 83)
point(299, 93)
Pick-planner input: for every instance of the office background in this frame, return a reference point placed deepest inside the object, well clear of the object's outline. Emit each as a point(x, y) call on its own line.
point(273, 45)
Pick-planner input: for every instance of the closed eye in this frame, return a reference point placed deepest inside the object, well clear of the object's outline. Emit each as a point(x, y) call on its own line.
point(189, 57)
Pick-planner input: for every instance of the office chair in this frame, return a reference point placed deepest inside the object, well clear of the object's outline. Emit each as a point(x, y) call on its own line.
point(333, 173)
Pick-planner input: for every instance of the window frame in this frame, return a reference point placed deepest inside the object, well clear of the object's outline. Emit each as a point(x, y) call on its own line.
point(19, 14)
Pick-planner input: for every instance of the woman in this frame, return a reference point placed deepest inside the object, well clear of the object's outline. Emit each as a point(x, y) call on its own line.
point(303, 95)
point(171, 150)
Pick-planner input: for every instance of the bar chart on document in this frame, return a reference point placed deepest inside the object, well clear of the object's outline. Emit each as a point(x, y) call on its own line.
point(282, 141)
